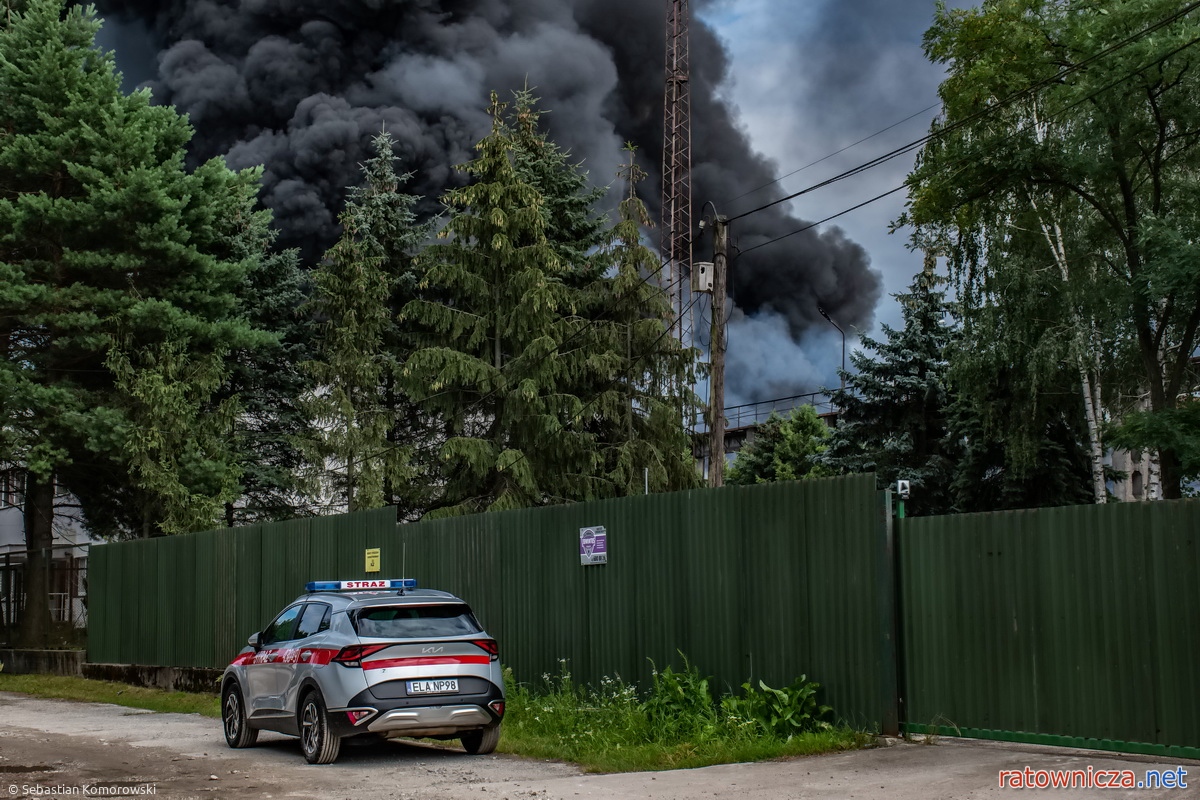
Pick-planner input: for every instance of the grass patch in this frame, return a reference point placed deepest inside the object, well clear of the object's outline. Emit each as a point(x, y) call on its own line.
point(85, 689)
point(676, 726)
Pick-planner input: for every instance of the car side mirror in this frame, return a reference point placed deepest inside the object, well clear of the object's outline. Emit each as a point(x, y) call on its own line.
point(253, 641)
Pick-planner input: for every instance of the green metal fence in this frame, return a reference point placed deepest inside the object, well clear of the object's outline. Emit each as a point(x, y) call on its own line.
point(191, 600)
point(1076, 626)
point(750, 582)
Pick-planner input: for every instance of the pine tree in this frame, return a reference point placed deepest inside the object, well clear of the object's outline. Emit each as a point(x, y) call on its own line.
point(489, 368)
point(109, 256)
point(783, 449)
point(355, 404)
point(892, 411)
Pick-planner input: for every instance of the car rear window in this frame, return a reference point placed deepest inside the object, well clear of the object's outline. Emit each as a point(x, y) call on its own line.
point(415, 622)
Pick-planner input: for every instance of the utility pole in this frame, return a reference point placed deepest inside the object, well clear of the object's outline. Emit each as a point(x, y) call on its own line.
point(716, 393)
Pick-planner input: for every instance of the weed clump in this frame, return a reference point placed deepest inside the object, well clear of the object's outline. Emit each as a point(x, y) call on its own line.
point(677, 723)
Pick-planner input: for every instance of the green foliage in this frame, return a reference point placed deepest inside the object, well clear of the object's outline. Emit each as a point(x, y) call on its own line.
point(782, 713)
point(892, 411)
point(108, 243)
point(635, 418)
point(174, 443)
point(269, 382)
point(1177, 429)
point(783, 449)
point(484, 365)
point(1070, 210)
point(1016, 453)
point(680, 705)
point(611, 728)
point(354, 411)
point(541, 370)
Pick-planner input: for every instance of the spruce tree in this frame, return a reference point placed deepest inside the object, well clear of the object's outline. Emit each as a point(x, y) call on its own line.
point(109, 255)
point(892, 411)
point(356, 443)
point(617, 324)
point(489, 367)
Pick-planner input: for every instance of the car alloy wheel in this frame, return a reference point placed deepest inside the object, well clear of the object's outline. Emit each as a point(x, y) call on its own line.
point(233, 716)
point(320, 745)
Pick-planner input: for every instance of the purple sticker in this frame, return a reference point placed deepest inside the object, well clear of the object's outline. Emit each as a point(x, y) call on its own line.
point(593, 545)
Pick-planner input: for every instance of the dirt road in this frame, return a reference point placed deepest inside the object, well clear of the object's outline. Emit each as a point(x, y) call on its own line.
point(53, 748)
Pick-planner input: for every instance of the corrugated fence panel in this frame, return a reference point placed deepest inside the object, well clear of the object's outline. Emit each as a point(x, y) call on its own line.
point(724, 577)
point(763, 582)
point(1077, 625)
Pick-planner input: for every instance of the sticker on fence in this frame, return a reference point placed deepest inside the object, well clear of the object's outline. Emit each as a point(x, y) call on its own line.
point(593, 546)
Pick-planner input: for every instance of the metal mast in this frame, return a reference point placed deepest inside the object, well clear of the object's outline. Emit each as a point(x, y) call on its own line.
point(676, 230)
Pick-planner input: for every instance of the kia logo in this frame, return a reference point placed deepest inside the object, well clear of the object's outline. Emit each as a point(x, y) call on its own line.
point(428, 650)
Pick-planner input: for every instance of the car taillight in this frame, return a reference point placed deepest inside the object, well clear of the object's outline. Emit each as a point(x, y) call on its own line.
point(357, 716)
point(498, 707)
point(353, 655)
point(489, 646)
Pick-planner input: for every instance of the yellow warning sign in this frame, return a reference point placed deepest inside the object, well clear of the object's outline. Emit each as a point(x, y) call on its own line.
point(372, 559)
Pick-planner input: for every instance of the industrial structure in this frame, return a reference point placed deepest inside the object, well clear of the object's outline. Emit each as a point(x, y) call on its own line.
point(676, 230)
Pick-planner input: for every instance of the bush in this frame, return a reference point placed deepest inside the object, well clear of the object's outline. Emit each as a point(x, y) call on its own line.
point(680, 706)
point(782, 713)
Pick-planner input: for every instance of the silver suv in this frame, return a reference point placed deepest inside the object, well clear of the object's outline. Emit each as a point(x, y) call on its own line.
point(367, 658)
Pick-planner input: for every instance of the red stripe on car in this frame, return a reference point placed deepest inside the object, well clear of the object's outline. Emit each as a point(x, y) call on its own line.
point(424, 661)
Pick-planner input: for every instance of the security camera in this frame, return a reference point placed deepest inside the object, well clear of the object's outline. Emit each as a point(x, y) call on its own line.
point(903, 489)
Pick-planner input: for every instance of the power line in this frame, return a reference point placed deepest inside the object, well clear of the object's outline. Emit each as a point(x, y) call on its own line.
point(960, 161)
point(812, 225)
point(835, 153)
point(982, 113)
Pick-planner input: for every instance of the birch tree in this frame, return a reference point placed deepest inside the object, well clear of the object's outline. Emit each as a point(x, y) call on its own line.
point(1100, 161)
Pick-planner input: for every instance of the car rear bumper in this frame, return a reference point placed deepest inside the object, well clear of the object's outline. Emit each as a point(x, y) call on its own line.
point(420, 716)
point(431, 720)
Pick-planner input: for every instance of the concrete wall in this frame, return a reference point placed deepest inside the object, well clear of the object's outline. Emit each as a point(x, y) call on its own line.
point(171, 679)
point(42, 662)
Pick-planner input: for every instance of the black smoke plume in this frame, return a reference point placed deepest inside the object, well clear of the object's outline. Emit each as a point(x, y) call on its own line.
point(300, 86)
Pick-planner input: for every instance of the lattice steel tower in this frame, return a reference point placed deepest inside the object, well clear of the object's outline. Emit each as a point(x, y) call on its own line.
point(676, 230)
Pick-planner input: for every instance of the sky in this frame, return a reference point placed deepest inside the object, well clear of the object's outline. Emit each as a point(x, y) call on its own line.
point(808, 78)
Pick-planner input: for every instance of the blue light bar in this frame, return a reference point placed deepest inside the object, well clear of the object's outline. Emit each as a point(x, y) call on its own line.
point(360, 586)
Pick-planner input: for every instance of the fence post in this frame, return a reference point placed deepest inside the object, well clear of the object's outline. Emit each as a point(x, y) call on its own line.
point(885, 569)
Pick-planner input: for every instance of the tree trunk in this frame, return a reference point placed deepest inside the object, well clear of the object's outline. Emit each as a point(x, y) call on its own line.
point(1091, 392)
point(1170, 474)
point(1095, 447)
point(1154, 485)
point(34, 630)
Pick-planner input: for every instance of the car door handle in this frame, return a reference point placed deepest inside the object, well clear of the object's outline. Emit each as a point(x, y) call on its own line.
point(305, 655)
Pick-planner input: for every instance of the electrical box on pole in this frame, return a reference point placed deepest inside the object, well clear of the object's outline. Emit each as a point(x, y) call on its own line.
point(702, 277)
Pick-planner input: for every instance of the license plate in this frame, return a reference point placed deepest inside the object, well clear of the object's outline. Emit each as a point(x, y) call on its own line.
point(444, 686)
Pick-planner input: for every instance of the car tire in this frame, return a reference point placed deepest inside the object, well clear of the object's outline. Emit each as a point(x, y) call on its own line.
point(319, 743)
point(480, 743)
point(238, 732)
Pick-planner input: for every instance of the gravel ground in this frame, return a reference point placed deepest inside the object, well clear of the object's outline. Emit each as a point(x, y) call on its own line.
point(52, 748)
